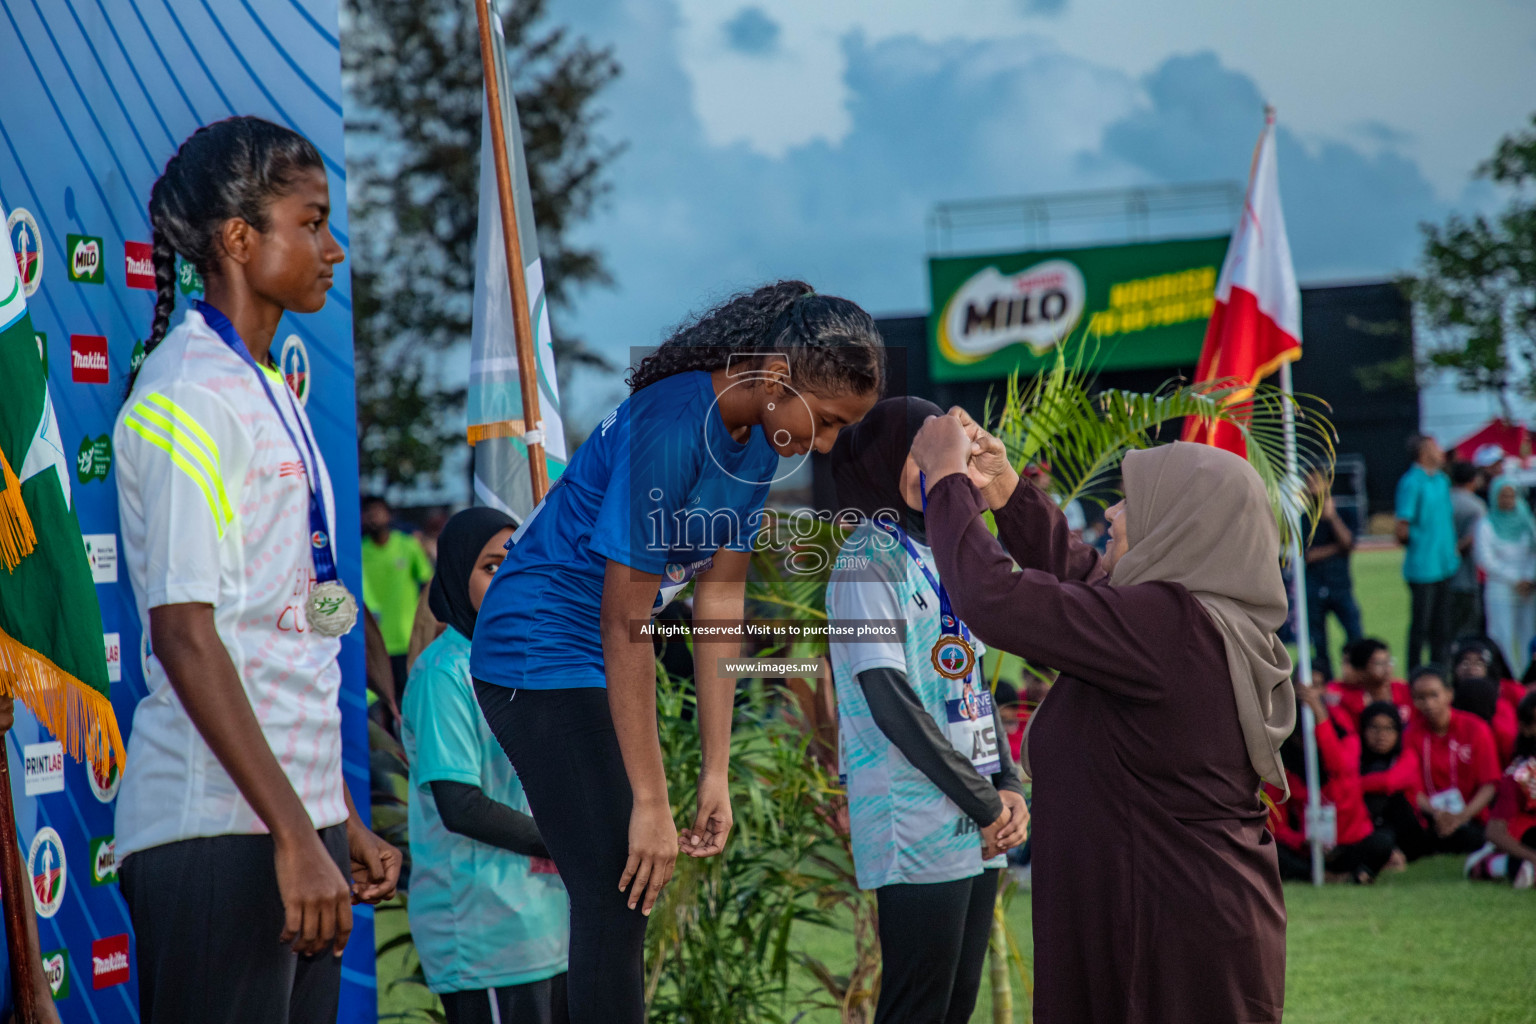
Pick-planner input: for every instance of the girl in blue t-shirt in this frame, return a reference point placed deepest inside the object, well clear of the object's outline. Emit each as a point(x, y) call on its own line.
point(668, 490)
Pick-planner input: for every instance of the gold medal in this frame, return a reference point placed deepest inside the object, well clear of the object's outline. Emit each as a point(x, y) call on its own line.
point(953, 657)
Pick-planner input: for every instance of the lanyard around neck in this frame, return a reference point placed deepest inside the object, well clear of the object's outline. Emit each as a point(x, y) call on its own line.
point(320, 540)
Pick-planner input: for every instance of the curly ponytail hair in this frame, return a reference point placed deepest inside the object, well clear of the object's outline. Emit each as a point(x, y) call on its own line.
point(231, 168)
point(832, 346)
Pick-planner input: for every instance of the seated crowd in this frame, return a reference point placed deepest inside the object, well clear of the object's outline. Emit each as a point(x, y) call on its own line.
point(1442, 762)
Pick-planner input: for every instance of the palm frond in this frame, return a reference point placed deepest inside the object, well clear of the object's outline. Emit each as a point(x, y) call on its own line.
point(1057, 417)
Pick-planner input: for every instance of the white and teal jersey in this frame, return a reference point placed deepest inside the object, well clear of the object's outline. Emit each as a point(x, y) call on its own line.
point(904, 828)
point(480, 915)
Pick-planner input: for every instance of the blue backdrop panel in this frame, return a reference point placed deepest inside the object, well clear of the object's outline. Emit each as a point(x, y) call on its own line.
point(98, 95)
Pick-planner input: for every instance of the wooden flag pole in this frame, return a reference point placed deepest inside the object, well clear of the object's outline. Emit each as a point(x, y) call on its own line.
point(527, 357)
point(13, 890)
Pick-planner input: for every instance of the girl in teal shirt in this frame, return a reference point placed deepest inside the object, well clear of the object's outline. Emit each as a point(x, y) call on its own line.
point(488, 913)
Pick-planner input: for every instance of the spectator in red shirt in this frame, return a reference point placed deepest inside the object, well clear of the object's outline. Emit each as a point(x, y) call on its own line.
point(1478, 666)
point(1459, 761)
point(1360, 849)
point(1367, 678)
point(1511, 850)
point(1390, 778)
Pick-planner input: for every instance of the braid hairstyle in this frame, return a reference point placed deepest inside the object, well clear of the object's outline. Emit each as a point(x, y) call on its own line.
point(163, 259)
point(227, 169)
point(832, 346)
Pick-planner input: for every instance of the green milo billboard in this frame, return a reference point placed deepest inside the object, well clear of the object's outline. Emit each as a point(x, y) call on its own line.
point(1133, 306)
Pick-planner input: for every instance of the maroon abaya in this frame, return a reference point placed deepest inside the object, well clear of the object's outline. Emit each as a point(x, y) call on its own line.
point(1156, 891)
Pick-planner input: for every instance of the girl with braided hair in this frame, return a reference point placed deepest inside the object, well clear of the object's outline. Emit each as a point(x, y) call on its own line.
point(234, 826)
point(669, 489)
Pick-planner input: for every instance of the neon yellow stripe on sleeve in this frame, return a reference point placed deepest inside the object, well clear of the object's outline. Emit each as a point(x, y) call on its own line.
point(186, 420)
point(179, 431)
point(164, 443)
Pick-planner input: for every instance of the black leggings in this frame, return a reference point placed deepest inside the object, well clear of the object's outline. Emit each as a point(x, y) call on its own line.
point(566, 754)
point(1369, 854)
point(535, 1002)
point(933, 944)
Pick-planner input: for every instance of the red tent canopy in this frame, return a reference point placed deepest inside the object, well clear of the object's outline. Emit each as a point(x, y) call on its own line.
point(1512, 438)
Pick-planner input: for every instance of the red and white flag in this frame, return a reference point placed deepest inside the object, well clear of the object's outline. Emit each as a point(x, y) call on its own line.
point(1256, 324)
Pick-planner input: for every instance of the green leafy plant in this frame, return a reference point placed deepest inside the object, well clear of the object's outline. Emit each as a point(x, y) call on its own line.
point(719, 943)
point(1059, 418)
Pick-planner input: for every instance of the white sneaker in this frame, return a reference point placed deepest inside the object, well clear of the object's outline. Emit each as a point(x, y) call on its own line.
point(1476, 861)
point(1525, 878)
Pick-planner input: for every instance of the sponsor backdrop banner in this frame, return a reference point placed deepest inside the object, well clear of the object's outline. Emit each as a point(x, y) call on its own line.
point(1134, 306)
point(97, 98)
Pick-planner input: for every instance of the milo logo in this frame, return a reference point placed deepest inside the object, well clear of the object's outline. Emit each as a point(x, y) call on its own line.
point(103, 860)
point(85, 264)
point(56, 970)
point(136, 358)
point(188, 279)
point(1035, 307)
point(94, 459)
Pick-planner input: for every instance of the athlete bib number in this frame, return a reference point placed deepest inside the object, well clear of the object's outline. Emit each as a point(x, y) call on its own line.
point(972, 730)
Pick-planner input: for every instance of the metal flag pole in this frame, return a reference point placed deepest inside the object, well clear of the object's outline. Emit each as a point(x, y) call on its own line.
point(527, 359)
point(1308, 724)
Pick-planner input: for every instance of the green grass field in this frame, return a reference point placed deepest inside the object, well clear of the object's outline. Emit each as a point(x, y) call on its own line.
point(1422, 947)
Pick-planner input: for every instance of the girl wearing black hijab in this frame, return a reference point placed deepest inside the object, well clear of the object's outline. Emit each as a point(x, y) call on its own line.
point(933, 799)
point(489, 915)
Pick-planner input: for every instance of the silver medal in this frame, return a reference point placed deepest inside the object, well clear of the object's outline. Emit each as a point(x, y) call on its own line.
point(331, 609)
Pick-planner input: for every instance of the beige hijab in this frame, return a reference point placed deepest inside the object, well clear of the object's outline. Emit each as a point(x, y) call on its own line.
point(1198, 516)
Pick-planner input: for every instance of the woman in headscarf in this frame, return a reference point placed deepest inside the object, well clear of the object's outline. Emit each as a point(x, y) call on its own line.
point(933, 799)
point(1505, 548)
point(488, 913)
point(1479, 672)
point(1391, 778)
point(1157, 893)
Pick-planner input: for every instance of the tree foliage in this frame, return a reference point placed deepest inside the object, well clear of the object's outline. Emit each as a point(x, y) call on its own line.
point(1477, 289)
point(415, 91)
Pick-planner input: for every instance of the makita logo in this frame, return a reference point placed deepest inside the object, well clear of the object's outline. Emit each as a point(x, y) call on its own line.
point(109, 961)
point(88, 359)
point(138, 265)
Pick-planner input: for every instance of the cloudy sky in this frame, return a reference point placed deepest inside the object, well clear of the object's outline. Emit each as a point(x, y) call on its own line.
point(811, 138)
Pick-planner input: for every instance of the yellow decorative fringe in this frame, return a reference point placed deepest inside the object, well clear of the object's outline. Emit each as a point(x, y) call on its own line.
point(66, 707)
point(17, 538)
point(502, 428)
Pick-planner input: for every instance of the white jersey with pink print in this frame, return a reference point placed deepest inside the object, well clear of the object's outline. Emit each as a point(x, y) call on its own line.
point(215, 510)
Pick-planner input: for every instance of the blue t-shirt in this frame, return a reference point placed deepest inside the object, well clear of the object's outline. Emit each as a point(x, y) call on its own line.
point(1424, 503)
point(481, 916)
point(660, 486)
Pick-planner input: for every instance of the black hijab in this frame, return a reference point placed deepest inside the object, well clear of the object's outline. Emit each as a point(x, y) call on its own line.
point(1370, 761)
point(458, 548)
point(868, 457)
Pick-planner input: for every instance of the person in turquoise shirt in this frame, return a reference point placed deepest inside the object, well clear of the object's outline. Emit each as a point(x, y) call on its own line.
point(1426, 524)
point(488, 913)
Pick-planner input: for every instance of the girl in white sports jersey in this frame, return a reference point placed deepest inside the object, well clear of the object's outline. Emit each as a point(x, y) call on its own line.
point(933, 799)
point(234, 827)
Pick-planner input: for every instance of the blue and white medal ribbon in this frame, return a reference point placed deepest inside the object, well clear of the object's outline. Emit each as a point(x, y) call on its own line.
point(331, 609)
